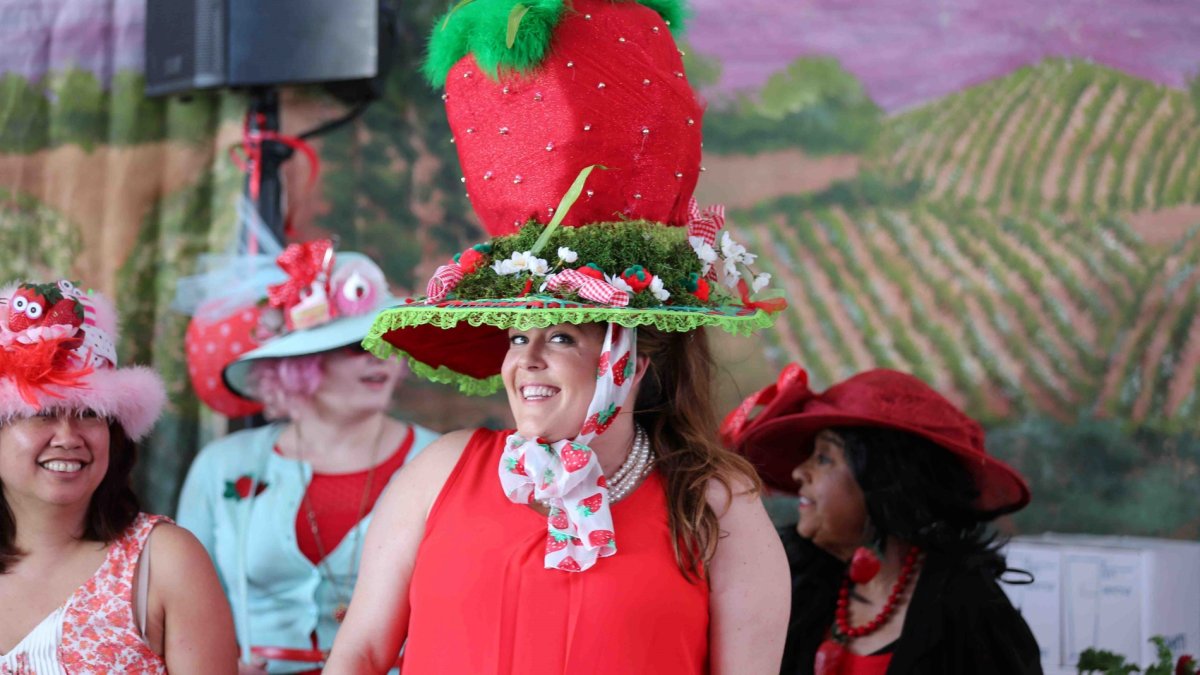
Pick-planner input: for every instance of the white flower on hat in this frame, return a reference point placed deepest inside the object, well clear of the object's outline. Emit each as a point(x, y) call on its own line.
point(761, 281)
point(704, 251)
point(729, 273)
point(618, 283)
point(656, 287)
point(522, 261)
point(734, 251)
point(567, 255)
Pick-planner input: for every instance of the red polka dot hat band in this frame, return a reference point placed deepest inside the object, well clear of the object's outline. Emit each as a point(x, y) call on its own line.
point(579, 139)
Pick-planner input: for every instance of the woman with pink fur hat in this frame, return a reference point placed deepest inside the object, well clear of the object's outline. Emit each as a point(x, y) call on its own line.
point(76, 582)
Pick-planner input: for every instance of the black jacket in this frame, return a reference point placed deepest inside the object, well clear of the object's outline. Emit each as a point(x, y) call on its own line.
point(959, 621)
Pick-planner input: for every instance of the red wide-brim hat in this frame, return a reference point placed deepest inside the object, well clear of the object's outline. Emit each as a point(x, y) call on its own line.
point(781, 436)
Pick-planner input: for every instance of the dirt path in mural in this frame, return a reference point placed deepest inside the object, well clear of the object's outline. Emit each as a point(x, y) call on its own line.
point(742, 181)
point(106, 193)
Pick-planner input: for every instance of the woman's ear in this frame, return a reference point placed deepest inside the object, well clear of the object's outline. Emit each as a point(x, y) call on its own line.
point(643, 364)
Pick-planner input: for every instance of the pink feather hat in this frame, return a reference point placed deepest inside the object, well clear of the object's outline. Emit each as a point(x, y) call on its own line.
point(58, 352)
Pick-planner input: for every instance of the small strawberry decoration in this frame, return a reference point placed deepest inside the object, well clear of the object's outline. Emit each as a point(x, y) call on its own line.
point(599, 422)
point(591, 505)
point(42, 305)
point(473, 258)
point(592, 271)
point(558, 519)
point(568, 564)
point(602, 482)
point(622, 370)
point(698, 286)
point(603, 367)
point(547, 478)
point(601, 538)
point(556, 541)
point(516, 466)
point(575, 457)
point(239, 489)
point(637, 277)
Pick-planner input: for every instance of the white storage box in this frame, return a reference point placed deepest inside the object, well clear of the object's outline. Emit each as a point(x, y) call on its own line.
point(1110, 593)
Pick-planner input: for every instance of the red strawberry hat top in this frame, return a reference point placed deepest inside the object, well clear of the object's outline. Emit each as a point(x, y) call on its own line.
point(598, 82)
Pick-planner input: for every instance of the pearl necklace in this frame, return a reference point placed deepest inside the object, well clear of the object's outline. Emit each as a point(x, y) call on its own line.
point(635, 467)
point(629, 475)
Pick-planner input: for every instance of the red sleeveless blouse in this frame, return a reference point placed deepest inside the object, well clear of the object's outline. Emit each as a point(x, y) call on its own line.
point(483, 603)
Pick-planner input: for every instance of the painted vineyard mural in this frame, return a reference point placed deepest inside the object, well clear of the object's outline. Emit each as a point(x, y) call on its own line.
point(1002, 198)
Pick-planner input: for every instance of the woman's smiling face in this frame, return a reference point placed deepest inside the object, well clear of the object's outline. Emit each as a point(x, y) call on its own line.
point(58, 457)
point(550, 377)
point(833, 511)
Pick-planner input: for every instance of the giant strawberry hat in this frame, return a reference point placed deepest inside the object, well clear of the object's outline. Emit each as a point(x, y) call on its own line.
point(579, 140)
point(58, 352)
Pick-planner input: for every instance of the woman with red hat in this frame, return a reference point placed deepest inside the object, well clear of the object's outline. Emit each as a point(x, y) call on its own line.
point(77, 588)
point(609, 531)
point(894, 563)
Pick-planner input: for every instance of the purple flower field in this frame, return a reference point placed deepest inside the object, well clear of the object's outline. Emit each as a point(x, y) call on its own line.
point(905, 51)
point(908, 52)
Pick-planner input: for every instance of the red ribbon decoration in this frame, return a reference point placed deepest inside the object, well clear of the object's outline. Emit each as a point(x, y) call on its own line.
point(705, 224)
point(444, 280)
point(588, 287)
point(737, 418)
point(250, 160)
point(302, 263)
point(769, 306)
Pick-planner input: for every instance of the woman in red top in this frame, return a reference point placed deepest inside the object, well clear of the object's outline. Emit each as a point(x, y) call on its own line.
point(608, 532)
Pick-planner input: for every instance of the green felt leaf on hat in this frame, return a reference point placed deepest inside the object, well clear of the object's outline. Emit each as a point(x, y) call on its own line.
point(487, 29)
point(514, 23)
point(564, 205)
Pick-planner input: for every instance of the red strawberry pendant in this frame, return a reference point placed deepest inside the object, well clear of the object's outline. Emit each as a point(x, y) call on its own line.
point(864, 565)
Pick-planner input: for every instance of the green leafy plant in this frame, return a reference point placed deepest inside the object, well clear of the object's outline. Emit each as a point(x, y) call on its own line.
point(1104, 661)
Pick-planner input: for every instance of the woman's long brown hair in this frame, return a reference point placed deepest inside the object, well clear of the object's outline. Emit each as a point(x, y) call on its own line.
point(675, 407)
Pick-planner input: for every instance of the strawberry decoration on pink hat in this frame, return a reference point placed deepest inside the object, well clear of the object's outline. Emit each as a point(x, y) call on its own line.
point(58, 352)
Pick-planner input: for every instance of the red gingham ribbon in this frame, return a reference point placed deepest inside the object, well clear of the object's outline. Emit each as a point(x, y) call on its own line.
point(705, 224)
point(444, 280)
point(588, 287)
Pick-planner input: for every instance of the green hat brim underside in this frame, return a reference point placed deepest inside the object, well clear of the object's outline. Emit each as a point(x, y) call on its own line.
point(470, 356)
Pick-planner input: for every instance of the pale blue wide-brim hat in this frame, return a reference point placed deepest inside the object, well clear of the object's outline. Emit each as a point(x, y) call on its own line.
point(359, 292)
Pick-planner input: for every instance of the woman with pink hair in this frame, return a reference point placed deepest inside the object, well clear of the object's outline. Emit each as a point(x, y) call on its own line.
point(76, 582)
point(283, 509)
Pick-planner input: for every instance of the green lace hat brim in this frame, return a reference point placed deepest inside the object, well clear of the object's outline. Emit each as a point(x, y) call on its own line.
point(463, 342)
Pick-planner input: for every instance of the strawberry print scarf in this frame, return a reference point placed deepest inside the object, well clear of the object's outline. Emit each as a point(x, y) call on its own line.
point(567, 473)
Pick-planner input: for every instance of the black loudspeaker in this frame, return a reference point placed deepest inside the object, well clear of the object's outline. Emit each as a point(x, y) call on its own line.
point(203, 44)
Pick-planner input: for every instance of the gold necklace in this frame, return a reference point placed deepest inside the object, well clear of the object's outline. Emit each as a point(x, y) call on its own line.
point(339, 612)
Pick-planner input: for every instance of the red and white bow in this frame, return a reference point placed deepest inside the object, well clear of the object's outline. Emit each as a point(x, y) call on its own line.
point(588, 287)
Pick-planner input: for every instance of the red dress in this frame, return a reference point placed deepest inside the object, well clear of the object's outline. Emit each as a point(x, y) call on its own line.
point(483, 603)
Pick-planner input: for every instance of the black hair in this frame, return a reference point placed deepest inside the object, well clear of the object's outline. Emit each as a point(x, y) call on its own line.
point(920, 493)
point(113, 507)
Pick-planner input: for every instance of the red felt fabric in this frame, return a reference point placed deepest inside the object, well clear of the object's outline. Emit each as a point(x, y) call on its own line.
point(611, 92)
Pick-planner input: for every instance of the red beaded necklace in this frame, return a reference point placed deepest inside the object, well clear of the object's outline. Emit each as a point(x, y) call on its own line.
point(842, 629)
